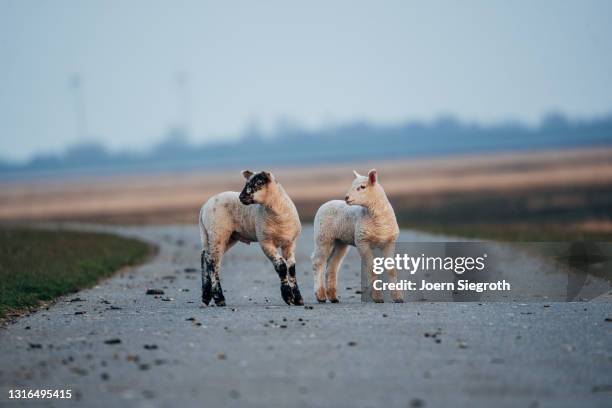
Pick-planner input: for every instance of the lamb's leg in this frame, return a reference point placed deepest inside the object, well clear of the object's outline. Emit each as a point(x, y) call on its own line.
point(213, 265)
point(367, 259)
point(280, 266)
point(333, 263)
point(289, 255)
point(389, 252)
point(319, 260)
point(206, 281)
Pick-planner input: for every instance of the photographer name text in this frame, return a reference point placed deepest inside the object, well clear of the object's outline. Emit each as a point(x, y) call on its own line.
point(461, 285)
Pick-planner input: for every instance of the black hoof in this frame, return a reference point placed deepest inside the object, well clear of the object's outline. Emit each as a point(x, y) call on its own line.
point(398, 300)
point(207, 291)
point(297, 296)
point(321, 300)
point(218, 295)
point(287, 293)
point(334, 301)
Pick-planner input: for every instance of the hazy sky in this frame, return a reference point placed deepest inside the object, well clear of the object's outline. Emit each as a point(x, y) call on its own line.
point(313, 62)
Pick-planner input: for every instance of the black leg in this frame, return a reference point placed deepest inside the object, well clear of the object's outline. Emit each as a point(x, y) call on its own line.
point(286, 291)
point(297, 296)
point(215, 284)
point(206, 281)
point(218, 294)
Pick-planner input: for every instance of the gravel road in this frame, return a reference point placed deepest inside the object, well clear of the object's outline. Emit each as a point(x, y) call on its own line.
point(113, 345)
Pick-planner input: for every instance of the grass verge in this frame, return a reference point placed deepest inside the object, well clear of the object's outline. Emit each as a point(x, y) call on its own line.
point(40, 265)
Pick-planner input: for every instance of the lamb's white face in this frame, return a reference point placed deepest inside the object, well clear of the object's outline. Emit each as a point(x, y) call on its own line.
point(363, 189)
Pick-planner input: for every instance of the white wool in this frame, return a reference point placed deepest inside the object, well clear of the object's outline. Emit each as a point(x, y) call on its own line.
point(365, 220)
point(272, 221)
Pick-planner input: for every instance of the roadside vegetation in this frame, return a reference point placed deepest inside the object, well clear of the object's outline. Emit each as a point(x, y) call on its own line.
point(517, 232)
point(528, 215)
point(40, 265)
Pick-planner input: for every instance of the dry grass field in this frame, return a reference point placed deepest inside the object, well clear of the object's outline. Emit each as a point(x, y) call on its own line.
point(571, 189)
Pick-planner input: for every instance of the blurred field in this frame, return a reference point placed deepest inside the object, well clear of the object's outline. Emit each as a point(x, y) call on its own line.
point(568, 190)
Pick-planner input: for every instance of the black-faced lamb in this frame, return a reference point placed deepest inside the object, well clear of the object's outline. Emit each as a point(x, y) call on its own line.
point(262, 212)
point(366, 220)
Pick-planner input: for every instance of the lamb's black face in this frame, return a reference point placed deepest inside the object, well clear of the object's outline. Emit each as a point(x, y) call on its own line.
point(254, 184)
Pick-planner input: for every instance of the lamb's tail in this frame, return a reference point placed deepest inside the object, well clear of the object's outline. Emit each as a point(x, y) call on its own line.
point(316, 229)
point(203, 233)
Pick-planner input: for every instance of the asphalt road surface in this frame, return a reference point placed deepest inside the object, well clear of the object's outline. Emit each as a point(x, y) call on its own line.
point(114, 345)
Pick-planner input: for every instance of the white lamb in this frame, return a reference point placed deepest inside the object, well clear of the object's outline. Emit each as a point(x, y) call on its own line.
point(366, 220)
point(262, 212)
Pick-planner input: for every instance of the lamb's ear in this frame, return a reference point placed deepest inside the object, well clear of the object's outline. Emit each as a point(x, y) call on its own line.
point(356, 174)
point(270, 176)
point(246, 174)
point(373, 176)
